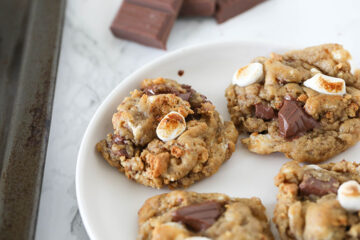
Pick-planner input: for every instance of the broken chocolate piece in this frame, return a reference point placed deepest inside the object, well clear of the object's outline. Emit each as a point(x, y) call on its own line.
point(293, 120)
point(172, 6)
point(143, 24)
point(311, 185)
point(198, 8)
point(226, 9)
point(264, 112)
point(198, 217)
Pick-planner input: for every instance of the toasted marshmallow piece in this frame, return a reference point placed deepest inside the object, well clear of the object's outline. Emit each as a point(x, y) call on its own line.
point(249, 74)
point(326, 84)
point(171, 126)
point(349, 195)
point(197, 238)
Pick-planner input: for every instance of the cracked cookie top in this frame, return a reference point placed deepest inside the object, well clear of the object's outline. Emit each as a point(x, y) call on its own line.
point(166, 133)
point(304, 103)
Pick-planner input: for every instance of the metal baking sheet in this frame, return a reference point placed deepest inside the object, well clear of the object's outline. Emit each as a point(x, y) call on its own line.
point(30, 35)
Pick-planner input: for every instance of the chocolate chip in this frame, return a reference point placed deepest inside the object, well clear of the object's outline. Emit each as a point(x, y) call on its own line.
point(293, 120)
point(180, 73)
point(198, 217)
point(264, 112)
point(311, 185)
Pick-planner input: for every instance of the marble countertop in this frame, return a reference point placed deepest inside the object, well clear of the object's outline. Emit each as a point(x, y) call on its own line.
point(93, 62)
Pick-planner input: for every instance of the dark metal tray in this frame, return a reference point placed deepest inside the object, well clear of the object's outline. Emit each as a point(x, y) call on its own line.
point(30, 35)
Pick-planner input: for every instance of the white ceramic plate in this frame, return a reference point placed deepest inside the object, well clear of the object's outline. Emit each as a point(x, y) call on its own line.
point(109, 202)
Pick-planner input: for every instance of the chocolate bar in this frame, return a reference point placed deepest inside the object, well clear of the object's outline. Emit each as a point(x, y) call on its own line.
point(172, 6)
point(148, 22)
point(201, 8)
point(226, 9)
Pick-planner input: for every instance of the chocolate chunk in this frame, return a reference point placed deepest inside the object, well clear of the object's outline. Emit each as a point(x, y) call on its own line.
point(185, 96)
point(198, 8)
point(164, 89)
point(187, 87)
point(263, 111)
point(180, 73)
point(226, 9)
point(198, 217)
point(121, 152)
point(311, 185)
point(172, 6)
point(159, 89)
point(143, 24)
point(293, 120)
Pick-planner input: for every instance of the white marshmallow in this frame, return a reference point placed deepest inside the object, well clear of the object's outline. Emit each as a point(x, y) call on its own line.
point(349, 195)
point(136, 130)
point(313, 166)
point(326, 84)
point(197, 238)
point(171, 126)
point(337, 55)
point(249, 74)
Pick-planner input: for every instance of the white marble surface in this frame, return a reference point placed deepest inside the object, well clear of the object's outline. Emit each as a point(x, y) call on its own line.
point(93, 62)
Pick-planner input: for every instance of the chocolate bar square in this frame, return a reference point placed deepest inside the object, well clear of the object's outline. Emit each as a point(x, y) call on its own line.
point(226, 9)
point(146, 22)
point(201, 8)
point(172, 6)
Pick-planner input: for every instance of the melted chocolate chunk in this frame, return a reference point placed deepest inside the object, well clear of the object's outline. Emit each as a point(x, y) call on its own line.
point(293, 120)
point(118, 140)
point(264, 112)
point(198, 217)
point(121, 152)
point(311, 185)
point(159, 89)
point(163, 89)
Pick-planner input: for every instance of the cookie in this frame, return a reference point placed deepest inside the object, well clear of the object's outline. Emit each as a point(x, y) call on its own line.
point(318, 201)
point(184, 215)
point(304, 103)
point(167, 134)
